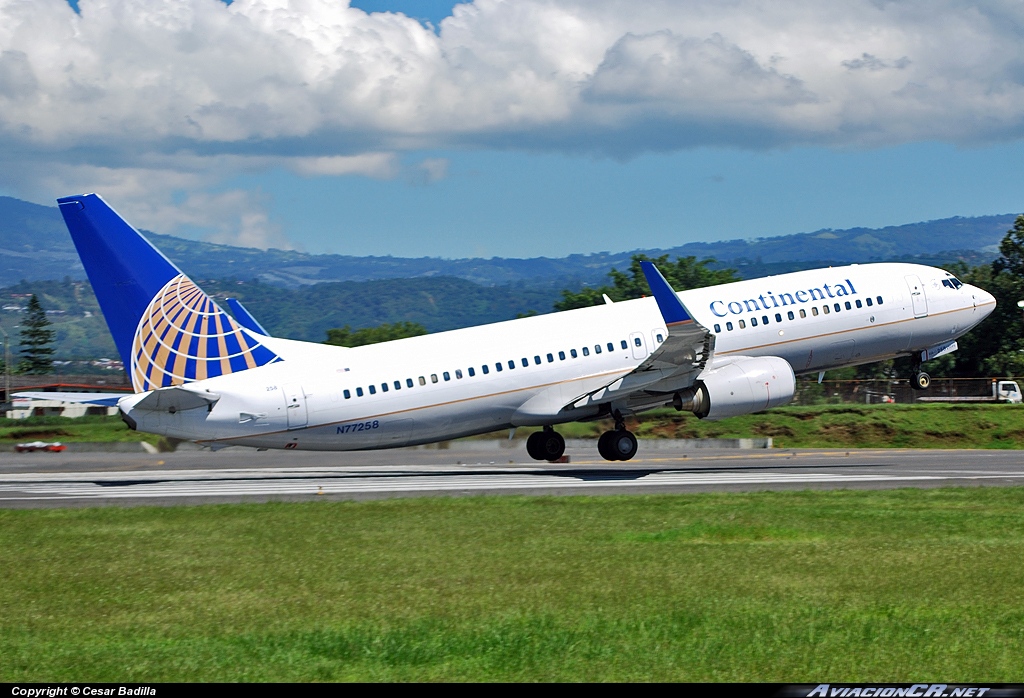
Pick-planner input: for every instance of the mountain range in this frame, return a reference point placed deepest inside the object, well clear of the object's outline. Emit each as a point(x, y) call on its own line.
point(34, 245)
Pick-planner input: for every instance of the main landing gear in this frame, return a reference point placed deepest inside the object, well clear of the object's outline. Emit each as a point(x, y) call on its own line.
point(545, 445)
point(618, 444)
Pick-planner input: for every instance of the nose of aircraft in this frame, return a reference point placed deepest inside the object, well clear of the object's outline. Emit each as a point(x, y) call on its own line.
point(984, 301)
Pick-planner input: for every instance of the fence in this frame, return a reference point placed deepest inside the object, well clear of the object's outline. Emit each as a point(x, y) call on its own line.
point(809, 392)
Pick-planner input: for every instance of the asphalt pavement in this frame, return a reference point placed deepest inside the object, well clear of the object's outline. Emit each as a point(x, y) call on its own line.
point(468, 468)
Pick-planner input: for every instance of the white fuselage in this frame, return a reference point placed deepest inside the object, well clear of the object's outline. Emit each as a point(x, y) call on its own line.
point(436, 387)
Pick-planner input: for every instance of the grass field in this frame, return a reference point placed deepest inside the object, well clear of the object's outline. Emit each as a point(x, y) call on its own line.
point(900, 585)
point(824, 426)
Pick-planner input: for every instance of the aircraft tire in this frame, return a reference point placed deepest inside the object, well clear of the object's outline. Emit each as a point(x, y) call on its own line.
point(552, 445)
point(623, 444)
point(534, 446)
point(921, 381)
point(604, 445)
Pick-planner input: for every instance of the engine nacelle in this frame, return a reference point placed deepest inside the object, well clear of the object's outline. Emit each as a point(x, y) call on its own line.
point(742, 386)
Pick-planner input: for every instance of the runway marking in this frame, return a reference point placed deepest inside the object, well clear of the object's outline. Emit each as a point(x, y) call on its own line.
point(177, 487)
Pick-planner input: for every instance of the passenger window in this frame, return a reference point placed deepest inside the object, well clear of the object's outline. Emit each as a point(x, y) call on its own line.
point(485, 368)
point(837, 307)
point(814, 311)
point(859, 305)
point(551, 358)
point(728, 326)
point(498, 367)
point(611, 347)
point(472, 371)
point(384, 387)
point(561, 356)
point(869, 302)
point(359, 392)
point(660, 338)
point(526, 362)
point(624, 345)
point(764, 319)
point(597, 348)
point(718, 328)
point(637, 342)
point(398, 385)
point(789, 315)
point(458, 373)
point(373, 390)
point(878, 299)
point(743, 325)
point(433, 377)
point(848, 306)
point(447, 376)
point(753, 322)
point(423, 381)
point(348, 394)
point(803, 313)
point(536, 360)
point(825, 309)
point(572, 353)
point(408, 382)
point(511, 364)
point(586, 351)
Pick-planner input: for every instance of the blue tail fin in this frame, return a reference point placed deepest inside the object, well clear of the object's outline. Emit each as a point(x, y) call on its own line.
point(166, 329)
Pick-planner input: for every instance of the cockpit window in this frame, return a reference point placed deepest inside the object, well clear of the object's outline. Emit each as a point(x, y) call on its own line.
point(952, 282)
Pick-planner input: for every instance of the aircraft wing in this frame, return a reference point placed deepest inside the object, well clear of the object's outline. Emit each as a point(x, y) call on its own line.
point(105, 399)
point(671, 367)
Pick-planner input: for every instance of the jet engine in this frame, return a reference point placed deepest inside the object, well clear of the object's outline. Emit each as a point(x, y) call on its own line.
point(742, 386)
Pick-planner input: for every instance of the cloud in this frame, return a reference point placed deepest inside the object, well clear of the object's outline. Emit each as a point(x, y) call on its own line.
point(377, 165)
point(173, 87)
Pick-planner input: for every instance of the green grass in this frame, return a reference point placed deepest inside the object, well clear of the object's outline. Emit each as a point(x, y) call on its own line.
point(96, 428)
point(895, 585)
point(843, 426)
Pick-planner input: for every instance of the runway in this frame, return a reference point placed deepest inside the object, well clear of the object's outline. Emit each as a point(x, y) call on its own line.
point(240, 475)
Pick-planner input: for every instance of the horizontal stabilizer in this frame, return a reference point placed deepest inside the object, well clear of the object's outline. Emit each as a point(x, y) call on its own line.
point(175, 400)
point(105, 399)
point(245, 318)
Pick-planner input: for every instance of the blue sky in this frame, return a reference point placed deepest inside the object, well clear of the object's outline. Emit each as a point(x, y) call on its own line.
point(522, 128)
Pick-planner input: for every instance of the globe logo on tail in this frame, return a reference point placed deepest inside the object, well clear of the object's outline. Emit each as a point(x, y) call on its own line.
point(183, 336)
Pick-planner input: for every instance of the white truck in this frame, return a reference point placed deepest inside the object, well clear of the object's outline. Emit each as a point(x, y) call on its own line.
point(1002, 391)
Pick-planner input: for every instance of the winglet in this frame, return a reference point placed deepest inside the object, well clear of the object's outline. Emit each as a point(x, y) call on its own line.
point(245, 318)
point(672, 309)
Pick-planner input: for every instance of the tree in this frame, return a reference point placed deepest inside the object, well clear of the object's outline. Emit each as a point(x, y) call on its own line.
point(683, 274)
point(347, 337)
point(36, 340)
point(1012, 250)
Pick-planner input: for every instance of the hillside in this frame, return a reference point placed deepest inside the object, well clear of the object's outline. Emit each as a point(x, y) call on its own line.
point(34, 245)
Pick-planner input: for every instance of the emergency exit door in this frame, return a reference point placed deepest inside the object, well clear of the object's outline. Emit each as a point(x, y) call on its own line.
point(295, 406)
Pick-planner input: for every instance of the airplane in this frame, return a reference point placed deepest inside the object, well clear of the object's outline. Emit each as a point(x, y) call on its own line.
point(720, 351)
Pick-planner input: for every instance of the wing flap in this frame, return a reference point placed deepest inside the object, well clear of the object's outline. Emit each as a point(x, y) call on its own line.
point(676, 362)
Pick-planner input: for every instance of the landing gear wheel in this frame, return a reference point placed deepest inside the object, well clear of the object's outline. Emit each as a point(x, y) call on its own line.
point(921, 381)
point(533, 445)
point(617, 445)
point(545, 445)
